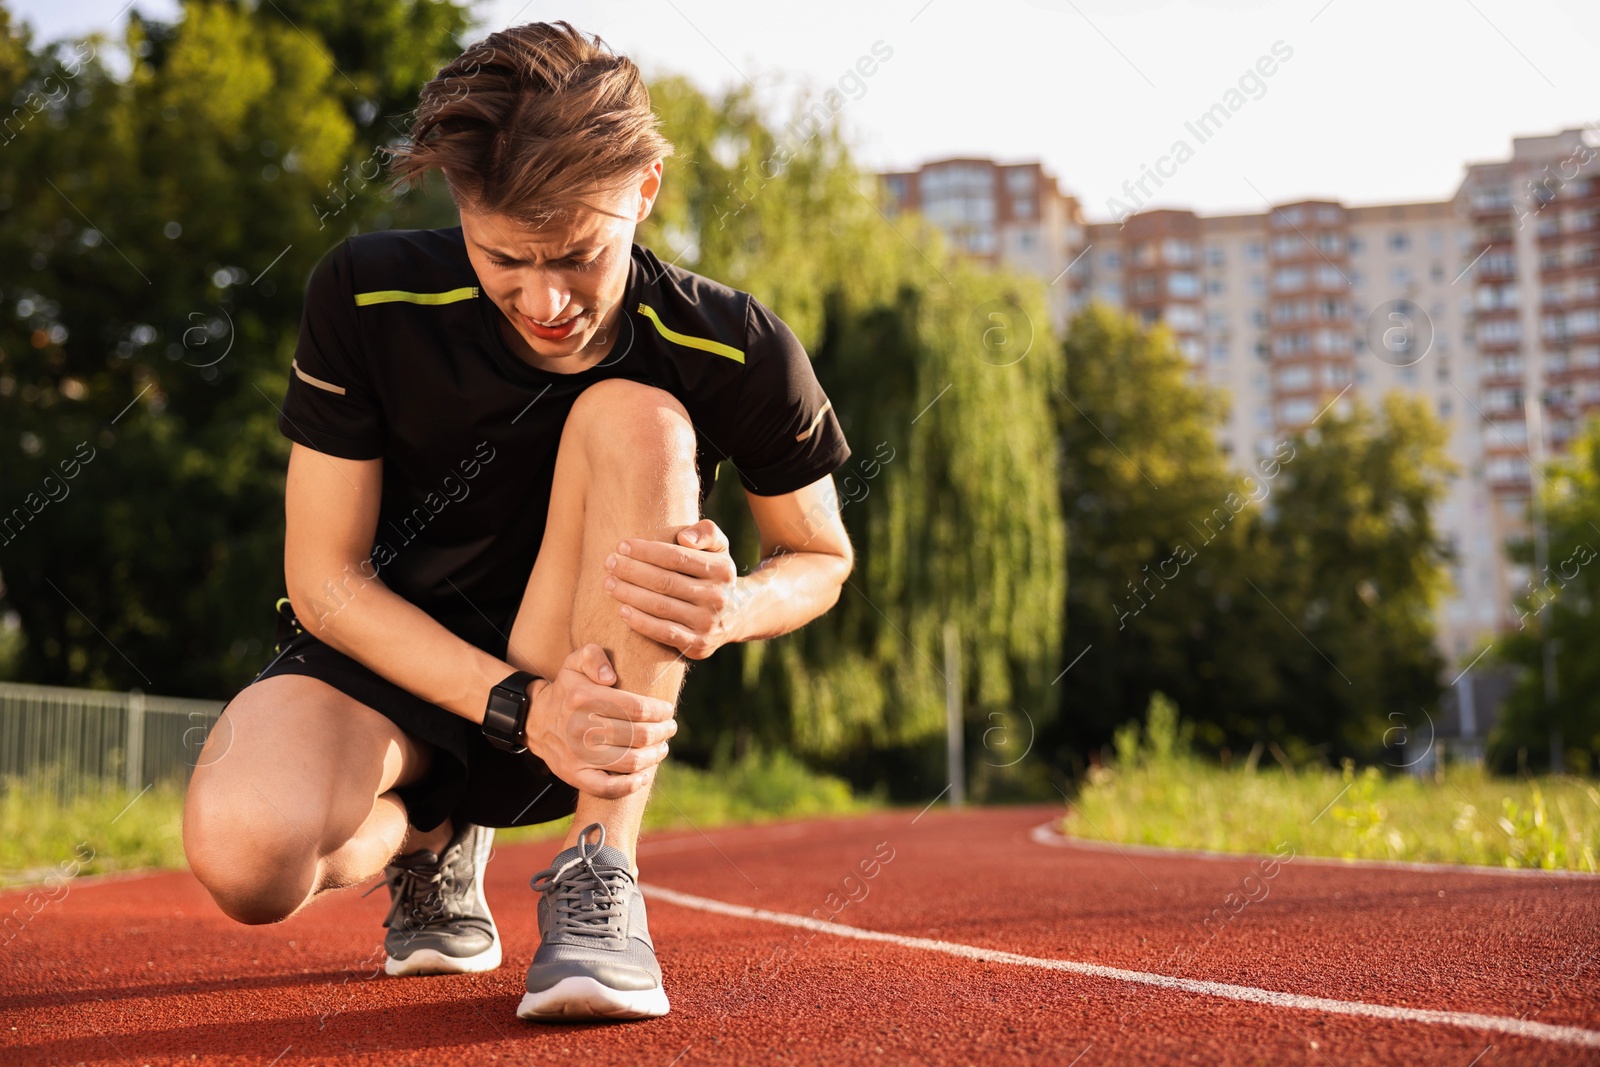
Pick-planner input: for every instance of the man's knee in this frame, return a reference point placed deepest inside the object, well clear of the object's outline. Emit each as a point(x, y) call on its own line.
point(255, 865)
point(621, 418)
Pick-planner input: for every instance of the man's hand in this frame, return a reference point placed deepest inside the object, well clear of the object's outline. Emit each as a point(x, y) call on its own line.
point(680, 594)
point(598, 739)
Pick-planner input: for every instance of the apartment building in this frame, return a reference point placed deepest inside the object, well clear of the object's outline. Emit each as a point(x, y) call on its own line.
point(1475, 303)
point(1012, 215)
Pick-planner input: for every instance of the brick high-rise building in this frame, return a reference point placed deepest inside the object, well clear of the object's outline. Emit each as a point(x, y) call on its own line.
point(1473, 303)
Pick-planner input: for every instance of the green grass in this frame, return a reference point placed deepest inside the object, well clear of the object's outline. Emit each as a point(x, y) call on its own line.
point(117, 829)
point(121, 830)
point(760, 787)
point(1158, 793)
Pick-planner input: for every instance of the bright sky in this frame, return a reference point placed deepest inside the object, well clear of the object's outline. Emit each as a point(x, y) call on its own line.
point(1378, 101)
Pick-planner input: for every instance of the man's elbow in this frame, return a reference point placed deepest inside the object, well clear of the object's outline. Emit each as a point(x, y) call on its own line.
point(319, 593)
point(844, 562)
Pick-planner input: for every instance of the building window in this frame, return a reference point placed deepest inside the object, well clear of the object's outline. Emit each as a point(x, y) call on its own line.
point(1019, 180)
point(1507, 366)
point(1252, 251)
point(1183, 317)
point(1294, 412)
point(1294, 379)
point(1183, 283)
point(1500, 331)
point(1330, 277)
point(1502, 400)
point(1506, 469)
point(1399, 242)
point(1214, 256)
point(1022, 208)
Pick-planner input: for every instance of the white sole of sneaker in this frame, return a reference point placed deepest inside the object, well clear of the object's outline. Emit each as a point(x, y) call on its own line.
point(573, 999)
point(431, 961)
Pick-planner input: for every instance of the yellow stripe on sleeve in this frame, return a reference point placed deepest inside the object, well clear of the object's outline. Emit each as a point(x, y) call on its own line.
point(704, 344)
point(400, 296)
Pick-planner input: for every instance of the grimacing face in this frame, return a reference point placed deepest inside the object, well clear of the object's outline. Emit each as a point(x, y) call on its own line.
point(559, 286)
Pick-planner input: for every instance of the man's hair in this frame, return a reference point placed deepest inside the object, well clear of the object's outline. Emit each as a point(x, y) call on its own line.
point(532, 122)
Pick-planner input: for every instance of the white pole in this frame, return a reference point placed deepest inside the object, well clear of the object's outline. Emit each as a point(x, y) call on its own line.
point(135, 759)
point(955, 762)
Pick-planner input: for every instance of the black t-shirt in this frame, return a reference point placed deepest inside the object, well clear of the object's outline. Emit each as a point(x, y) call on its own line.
point(401, 358)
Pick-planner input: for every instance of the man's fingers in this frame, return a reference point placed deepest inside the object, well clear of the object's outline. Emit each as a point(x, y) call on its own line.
point(594, 664)
point(662, 607)
point(713, 565)
point(704, 536)
point(596, 733)
point(609, 786)
point(626, 760)
point(620, 704)
point(663, 632)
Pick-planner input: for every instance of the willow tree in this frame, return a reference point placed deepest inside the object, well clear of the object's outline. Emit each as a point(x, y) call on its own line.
point(941, 376)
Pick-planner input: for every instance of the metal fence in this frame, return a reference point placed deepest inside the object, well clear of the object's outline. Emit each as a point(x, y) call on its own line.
point(75, 741)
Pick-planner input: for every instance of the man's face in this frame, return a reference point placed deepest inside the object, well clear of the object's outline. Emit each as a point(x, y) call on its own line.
point(559, 285)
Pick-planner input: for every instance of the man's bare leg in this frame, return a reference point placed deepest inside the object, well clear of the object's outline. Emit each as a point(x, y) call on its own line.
point(625, 469)
point(293, 795)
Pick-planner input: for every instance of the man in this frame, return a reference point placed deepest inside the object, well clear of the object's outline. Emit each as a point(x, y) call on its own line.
point(496, 566)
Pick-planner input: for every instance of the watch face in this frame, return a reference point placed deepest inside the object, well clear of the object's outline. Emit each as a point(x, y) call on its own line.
point(503, 718)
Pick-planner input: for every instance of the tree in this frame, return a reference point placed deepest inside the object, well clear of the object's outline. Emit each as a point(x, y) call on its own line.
point(1160, 537)
point(1568, 591)
point(1361, 574)
point(1286, 600)
point(157, 230)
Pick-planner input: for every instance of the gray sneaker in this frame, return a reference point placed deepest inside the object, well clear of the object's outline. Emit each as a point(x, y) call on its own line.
point(596, 960)
point(438, 921)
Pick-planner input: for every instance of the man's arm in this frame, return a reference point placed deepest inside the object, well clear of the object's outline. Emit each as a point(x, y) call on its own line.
point(689, 595)
point(331, 514)
point(331, 510)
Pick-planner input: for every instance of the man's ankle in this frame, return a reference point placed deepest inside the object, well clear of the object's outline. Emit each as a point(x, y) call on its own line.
point(434, 840)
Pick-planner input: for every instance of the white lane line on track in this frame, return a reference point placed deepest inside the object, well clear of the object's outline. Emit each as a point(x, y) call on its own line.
point(1047, 834)
point(1565, 1035)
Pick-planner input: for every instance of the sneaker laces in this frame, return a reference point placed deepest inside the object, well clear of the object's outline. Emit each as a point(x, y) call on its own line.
point(422, 887)
point(574, 890)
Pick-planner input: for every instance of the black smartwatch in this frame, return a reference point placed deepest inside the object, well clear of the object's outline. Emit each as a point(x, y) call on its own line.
point(506, 715)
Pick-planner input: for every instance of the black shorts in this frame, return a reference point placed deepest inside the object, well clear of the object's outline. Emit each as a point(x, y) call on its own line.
point(470, 780)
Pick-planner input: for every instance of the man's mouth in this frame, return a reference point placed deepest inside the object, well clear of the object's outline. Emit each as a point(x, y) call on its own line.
point(554, 331)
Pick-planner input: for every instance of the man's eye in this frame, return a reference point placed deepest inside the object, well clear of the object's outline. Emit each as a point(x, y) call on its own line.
point(583, 264)
point(503, 264)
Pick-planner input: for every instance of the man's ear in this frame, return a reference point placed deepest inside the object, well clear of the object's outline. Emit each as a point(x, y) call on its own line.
point(649, 189)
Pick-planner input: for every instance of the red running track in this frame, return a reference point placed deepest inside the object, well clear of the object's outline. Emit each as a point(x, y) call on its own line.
point(1335, 964)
